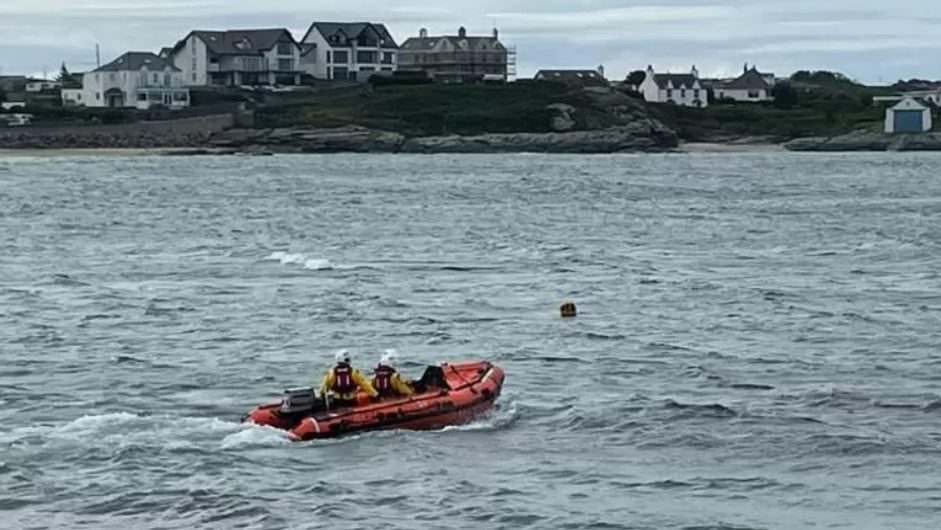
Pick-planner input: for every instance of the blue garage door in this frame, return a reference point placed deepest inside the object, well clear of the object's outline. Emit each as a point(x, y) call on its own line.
point(908, 121)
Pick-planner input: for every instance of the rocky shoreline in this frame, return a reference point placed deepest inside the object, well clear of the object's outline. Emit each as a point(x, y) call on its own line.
point(637, 137)
point(634, 137)
point(868, 141)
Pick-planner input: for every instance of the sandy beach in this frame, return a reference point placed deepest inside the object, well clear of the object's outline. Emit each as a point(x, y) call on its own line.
point(684, 147)
point(102, 151)
point(705, 147)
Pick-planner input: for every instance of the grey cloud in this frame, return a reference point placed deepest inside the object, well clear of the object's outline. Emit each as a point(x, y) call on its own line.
point(864, 40)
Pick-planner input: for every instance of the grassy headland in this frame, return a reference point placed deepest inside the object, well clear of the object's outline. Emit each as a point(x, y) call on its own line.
point(807, 104)
point(436, 109)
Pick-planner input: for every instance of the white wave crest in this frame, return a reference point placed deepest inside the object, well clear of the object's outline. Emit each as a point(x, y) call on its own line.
point(309, 263)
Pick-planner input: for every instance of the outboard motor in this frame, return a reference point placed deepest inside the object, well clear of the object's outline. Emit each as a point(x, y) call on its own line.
point(297, 400)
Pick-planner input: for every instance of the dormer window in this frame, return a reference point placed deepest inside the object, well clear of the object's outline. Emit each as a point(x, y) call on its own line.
point(243, 44)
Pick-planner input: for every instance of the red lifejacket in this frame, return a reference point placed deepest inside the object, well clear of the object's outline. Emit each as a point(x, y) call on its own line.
point(343, 379)
point(382, 381)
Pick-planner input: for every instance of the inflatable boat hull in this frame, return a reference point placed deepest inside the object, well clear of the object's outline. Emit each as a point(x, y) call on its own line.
point(449, 394)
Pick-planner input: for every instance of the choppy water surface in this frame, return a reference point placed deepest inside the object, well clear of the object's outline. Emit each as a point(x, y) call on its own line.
point(757, 345)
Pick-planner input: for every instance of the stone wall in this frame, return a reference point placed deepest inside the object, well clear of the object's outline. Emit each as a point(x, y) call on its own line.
point(185, 132)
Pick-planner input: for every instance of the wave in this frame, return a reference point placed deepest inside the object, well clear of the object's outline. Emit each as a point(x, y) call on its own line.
point(306, 262)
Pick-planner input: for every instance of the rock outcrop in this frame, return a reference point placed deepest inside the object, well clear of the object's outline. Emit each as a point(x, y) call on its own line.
point(651, 136)
point(593, 120)
point(868, 141)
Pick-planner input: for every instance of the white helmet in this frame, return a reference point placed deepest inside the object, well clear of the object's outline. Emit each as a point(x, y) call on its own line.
point(342, 356)
point(389, 358)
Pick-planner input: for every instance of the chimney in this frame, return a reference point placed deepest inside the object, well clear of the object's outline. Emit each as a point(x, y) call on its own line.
point(423, 33)
point(695, 72)
point(745, 69)
point(601, 69)
point(496, 34)
point(461, 32)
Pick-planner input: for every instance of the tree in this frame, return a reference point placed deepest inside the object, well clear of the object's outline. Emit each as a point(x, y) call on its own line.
point(785, 97)
point(64, 74)
point(636, 77)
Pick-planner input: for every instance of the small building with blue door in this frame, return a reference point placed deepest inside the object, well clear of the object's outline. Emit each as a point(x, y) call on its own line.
point(908, 116)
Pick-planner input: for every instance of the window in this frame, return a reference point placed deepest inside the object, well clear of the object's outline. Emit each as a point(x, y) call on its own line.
point(367, 57)
point(97, 95)
point(179, 96)
point(328, 56)
point(251, 64)
point(388, 58)
point(754, 94)
point(683, 93)
point(194, 77)
point(285, 48)
point(669, 93)
point(341, 57)
point(341, 72)
point(285, 65)
point(367, 69)
point(156, 78)
point(167, 80)
point(696, 94)
point(142, 96)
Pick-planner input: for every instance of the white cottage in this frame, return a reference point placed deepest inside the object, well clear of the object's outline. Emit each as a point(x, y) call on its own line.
point(135, 79)
point(908, 116)
point(681, 89)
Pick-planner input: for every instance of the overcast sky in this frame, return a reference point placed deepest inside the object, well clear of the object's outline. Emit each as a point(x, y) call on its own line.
point(884, 42)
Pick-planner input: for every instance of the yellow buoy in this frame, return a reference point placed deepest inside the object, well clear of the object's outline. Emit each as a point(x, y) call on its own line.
point(567, 309)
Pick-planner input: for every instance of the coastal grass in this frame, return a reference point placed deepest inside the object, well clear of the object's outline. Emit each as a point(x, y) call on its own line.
point(756, 119)
point(440, 109)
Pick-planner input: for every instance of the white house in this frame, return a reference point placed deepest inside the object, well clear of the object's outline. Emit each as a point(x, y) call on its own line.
point(72, 97)
point(135, 79)
point(752, 85)
point(38, 85)
point(348, 50)
point(237, 57)
point(681, 89)
point(908, 116)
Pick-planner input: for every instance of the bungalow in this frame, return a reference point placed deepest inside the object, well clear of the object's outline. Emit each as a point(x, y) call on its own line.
point(38, 85)
point(135, 79)
point(752, 85)
point(681, 89)
point(574, 77)
point(348, 50)
point(237, 57)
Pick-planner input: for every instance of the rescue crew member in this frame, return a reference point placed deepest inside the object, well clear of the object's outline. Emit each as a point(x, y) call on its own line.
point(343, 380)
point(386, 379)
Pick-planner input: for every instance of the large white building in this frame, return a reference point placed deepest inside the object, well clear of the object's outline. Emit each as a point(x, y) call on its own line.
point(134, 80)
point(249, 57)
point(348, 50)
point(681, 89)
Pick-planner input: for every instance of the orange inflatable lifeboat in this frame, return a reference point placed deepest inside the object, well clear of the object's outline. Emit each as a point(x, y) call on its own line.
point(448, 394)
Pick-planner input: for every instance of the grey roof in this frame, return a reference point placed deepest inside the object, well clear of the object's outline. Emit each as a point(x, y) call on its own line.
point(586, 77)
point(750, 80)
point(678, 80)
point(133, 61)
point(240, 41)
point(165, 51)
point(473, 42)
point(350, 31)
